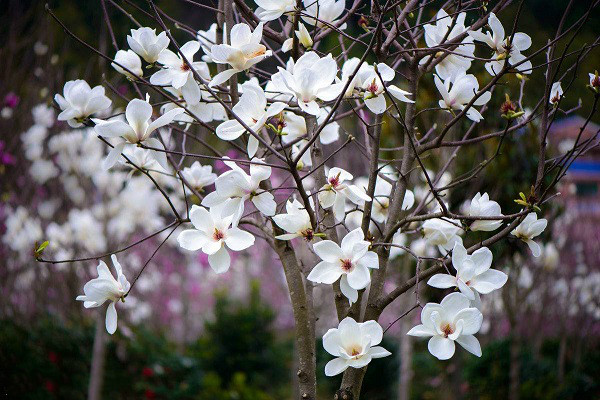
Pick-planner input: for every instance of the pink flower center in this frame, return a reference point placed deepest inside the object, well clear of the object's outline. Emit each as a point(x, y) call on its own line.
point(448, 330)
point(185, 67)
point(218, 235)
point(373, 87)
point(346, 265)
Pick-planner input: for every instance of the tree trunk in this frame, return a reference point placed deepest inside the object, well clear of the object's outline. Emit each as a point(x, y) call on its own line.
point(98, 357)
point(515, 367)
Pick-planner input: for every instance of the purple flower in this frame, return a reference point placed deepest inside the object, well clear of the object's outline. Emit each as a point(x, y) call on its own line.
point(11, 100)
point(6, 158)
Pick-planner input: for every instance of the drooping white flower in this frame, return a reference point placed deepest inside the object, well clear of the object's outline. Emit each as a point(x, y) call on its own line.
point(447, 29)
point(303, 38)
point(311, 79)
point(453, 320)
point(458, 93)
point(199, 176)
point(381, 201)
point(212, 232)
point(354, 344)
point(137, 129)
point(503, 47)
point(106, 288)
point(323, 12)
point(481, 205)
point(233, 188)
point(269, 10)
point(177, 73)
point(529, 228)
point(350, 262)
point(296, 222)
point(473, 273)
point(442, 233)
point(147, 44)
point(336, 191)
point(79, 101)
point(556, 93)
point(130, 60)
point(252, 109)
point(243, 52)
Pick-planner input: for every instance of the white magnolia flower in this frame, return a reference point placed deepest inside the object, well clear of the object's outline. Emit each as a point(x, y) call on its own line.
point(473, 273)
point(303, 38)
point(244, 51)
point(177, 73)
point(208, 109)
point(381, 201)
point(556, 93)
point(453, 320)
point(252, 109)
point(350, 262)
point(199, 176)
point(311, 79)
point(354, 344)
point(481, 205)
point(212, 232)
point(147, 44)
point(442, 233)
point(458, 93)
point(269, 10)
point(106, 288)
point(129, 60)
point(446, 29)
point(334, 193)
point(80, 101)
point(323, 12)
point(207, 38)
point(373, 89)
point(296, 222)
point(398, 239)
point(294, 127)
point(234, 187)
point(529, 228)
point(502, 46)
point(137, 129)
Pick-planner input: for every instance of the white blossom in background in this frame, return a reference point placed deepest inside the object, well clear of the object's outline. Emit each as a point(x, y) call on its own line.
point(269, 10)
point(207, 109)
point(457, 93)
point(207, 39)
point(233, 188)
point(354, 344)
point(473, 273)
point(399, 239)
point(243, 52)
point(142, 158)
point(147, 44)
point(481, 205)
point(212, 233)
point(79, 101)
point(556, 93)
point(294, 127)
point(198, 176)
point(335, 192)
point(529, 228)
point(303, 38)
point(129, 60)
point(442, 233)
point(296, 222)
point(381, 200)
point(323, 13)
point(22, 230)
point(453, 320)
point(137, 129)
point(350, 262)
point(106, 288)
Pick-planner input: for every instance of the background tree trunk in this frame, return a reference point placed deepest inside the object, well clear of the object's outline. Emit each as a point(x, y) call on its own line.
point(98, 357)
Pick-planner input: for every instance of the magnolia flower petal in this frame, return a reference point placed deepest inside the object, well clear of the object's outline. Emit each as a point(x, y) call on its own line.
point(113, 156)
point(471, 320)
point(191, 239)
point(442, 281)
point(378, 352)
point(328, 251)
point(470, 343)
point(536, 250)
point(489, 280)
point(376, 104)
point(359, 277)
point(360, 362)
point(441, 348)
point(265, 203)
point(332, 342)
point(220, 261)
point(350, 293)
point(335, 367)
point(373, 330)
point(324, 272)
point(222, 77)
point(111, 318)
point(421, 331)
point(112, 128)
point(237, 239)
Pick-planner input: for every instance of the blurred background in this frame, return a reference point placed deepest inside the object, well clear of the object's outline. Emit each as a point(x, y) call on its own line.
point(186, 333)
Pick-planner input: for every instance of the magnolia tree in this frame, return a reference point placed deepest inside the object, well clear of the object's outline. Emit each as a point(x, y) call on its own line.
point(341, 163)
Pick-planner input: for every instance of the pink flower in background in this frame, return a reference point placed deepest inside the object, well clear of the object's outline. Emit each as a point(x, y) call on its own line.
point(11, 100)
point(5, 157)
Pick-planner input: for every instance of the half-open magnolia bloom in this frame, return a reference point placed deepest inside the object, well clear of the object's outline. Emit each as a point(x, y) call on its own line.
point(481, 205)
point(503, 47)
point(234, 187)
point(453, 320)
point(473, 273)
point(350, 262)
point(199, 176)
point(244, 51)
point(529, 228)
point(130, 60)
point(177, 73)
point(446, 29)
point(323, 12)
point(354, 344)
point(212, 232)
point(442, 233)
point(106, 288)
point(253, 111)
point(147, 44)
point(381, 201)
point(268, 10)
point(207, 39)
point(310, 79)
point(556, 93)
point(137, 129)
point(294, 127)
point(79, 101)
point(296, 222)
point(457, 93)
point(303, 38)
point(374, 90)
point(335, 191)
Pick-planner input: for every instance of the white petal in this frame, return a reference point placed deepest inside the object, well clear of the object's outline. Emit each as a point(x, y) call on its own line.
point(373, 330)
point(220, 261)
point(442, 281)
point(359, 278)
point(328, 250)
point(350, 293)
point(111, 318)
point(470, 343)
point(441, 348)
point(536, 250)
point(378, 352)
point(265, 203)
point(332, 342)
point(238, 239)
point(488, 281)
point(113, 156)
point(191, 239)
point(421, 331)
point(335, 367)
point(325, 272)
point(472, 320)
